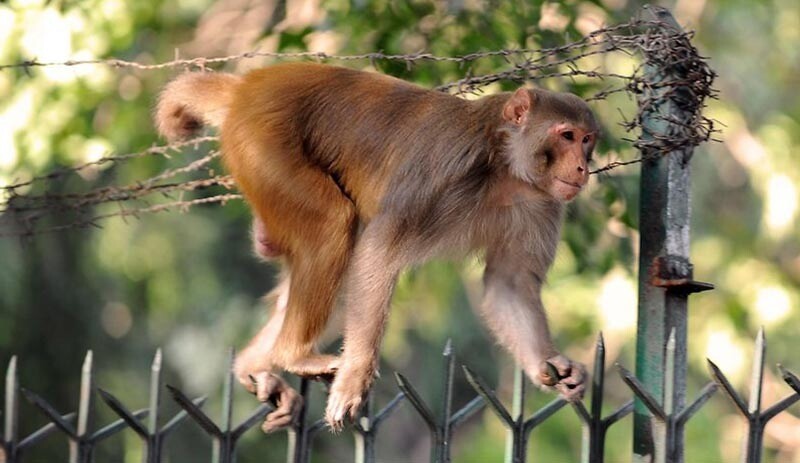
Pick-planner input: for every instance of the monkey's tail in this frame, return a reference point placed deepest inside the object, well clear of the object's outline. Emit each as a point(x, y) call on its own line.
point(192, 100)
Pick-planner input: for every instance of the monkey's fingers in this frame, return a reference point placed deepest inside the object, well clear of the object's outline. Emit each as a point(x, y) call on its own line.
point(570, 377)
point(272, 388)
point(267, 385)
point(576, 378)
point(290, 405)
point(571, 392)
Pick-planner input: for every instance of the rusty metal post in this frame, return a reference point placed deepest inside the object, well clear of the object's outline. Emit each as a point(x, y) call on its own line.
point(665, 272)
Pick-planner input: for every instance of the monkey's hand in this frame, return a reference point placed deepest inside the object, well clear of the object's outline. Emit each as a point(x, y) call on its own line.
point(269, 387)
point(346, 394)
point(565, 376)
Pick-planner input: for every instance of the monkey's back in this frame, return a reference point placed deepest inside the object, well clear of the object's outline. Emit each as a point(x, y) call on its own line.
point(368, 131)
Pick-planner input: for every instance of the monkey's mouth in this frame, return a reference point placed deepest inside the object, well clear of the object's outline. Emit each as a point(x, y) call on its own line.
point(564, 190)
point(572, 184)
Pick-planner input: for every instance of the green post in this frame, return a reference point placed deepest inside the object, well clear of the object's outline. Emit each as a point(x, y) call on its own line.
point(665, 272)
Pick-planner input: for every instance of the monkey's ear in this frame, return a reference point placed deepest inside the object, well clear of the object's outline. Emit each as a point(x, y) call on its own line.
point(517, 107)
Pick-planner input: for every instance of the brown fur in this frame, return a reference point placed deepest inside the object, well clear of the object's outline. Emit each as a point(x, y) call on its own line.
point(321, 152)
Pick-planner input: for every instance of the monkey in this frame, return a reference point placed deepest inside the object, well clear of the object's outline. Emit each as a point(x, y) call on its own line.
point(354, 176)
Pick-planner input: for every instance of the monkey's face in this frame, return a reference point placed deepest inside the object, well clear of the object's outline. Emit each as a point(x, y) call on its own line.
point(553, 157)
point(565, 154)
point(551, 137)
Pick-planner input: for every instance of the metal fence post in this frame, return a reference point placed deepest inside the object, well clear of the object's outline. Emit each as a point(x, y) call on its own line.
point(594, 424)
point(442, 429)
point(152, 437)
point(302, 432)
point(757, 418)
point(225, 436)
point(665, 272)
point(366, 427)
point(519, 428)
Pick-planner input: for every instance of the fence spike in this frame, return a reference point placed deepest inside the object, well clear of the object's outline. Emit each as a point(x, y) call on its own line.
point(50, 412)
point(598, 377)
point(180, 416)
point(417, 402)
point(11, 417)
point(757, 376)
point(194, 411)
point(648, 400)
point(155, 392)
point(85, 399)
point(720, 378)
point(112, 428)
point(791, 379)
point(123, 412)
point(489, 396)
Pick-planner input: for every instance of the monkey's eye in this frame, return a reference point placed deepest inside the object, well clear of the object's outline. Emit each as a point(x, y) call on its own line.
point(587, 139)
point(568, 135)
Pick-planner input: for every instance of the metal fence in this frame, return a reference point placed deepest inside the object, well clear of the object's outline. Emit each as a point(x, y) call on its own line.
point(666, 420)
point(670, 103)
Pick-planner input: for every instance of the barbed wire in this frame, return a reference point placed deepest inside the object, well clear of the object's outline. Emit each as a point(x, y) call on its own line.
point(23, 207)
point(202, 62)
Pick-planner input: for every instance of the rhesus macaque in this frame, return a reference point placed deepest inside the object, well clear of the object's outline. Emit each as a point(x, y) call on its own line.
point(354, 176)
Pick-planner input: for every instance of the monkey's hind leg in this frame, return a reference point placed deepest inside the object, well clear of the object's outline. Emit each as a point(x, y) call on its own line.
point(317, 272)
point(318, 224)
point(307, 219)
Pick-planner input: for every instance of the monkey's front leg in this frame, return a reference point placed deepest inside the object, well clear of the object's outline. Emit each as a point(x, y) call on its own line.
point(369, 290)
point(513, 311)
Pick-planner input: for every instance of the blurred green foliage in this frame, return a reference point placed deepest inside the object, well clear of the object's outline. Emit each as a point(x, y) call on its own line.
point(188, 282)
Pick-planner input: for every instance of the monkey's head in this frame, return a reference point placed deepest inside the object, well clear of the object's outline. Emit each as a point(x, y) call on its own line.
point(551, 137)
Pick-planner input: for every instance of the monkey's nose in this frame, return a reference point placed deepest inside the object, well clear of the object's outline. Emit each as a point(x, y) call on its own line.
point(581, 169)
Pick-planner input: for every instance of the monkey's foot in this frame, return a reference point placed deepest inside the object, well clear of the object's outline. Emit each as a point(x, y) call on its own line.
point(315, 365)
point(269, 387)
point(565, 376)
point(253, 371)
point(346, 395)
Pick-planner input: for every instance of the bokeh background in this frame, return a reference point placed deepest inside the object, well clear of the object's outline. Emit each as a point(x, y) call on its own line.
point(187, 282)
